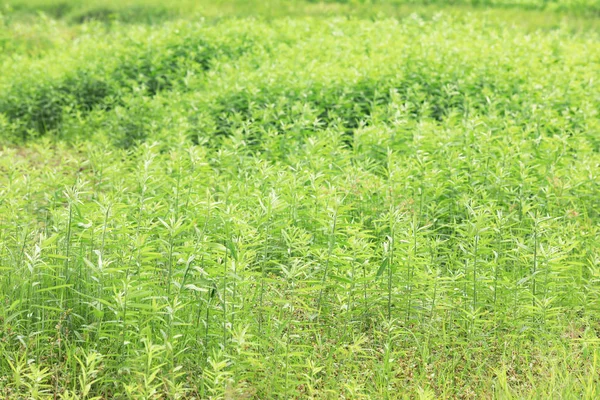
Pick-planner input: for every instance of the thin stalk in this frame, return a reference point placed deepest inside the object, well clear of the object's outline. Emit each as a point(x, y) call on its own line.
point(263, 270)
point(390, 264)
point(475, 272)
point(329, 253)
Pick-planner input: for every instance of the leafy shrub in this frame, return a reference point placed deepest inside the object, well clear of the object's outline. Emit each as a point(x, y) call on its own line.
point(145, 70)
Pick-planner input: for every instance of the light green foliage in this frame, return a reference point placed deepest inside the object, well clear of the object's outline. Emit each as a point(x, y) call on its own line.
point(151, 11)
point(306, 207)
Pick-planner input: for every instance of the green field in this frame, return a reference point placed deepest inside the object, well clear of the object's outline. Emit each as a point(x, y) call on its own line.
point(300, 199)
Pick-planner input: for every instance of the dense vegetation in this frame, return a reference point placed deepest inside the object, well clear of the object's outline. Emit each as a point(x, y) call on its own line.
point(304, 204)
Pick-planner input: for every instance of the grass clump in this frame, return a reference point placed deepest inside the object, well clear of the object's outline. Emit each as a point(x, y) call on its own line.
point(156, 64)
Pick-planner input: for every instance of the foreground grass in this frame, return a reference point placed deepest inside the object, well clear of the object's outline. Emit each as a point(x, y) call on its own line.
point(300, 208)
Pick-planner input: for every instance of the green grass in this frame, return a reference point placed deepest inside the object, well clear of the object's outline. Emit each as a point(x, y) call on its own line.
point(300, 202)
point(155, 10)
